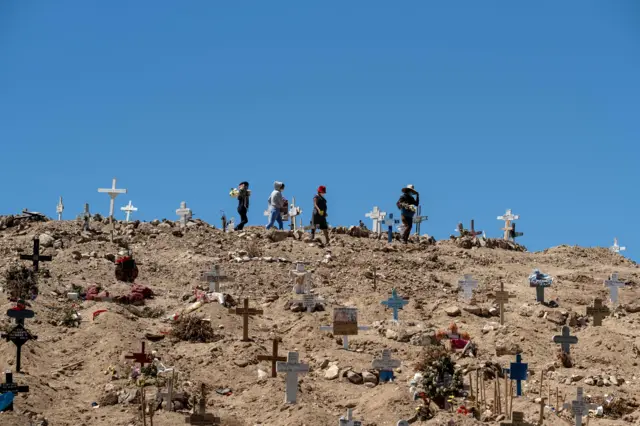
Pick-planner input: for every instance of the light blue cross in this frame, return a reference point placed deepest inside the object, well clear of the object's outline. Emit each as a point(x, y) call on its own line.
point(394, 302)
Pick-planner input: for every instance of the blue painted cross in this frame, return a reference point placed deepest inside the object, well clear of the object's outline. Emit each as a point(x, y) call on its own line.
point(394, 302)
point(518, 372)
point(390, 221)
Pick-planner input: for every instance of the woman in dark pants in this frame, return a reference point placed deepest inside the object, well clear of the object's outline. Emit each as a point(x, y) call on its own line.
point(243, 204)
point(320, 214)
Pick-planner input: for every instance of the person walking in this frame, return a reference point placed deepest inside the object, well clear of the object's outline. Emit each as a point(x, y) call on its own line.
point(320, 214)
point(407, 205)
point(243, 204)
point(276, 202)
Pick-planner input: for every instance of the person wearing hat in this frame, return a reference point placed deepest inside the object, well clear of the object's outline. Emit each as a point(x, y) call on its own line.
point(276, 202)
point(243, 204)
point(407, 205)
point(320, 214)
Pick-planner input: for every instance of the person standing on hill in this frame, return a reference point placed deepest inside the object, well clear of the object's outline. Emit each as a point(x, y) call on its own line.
point(276, 202)
point(243, 204)
point(320, 214)
point(407, 205)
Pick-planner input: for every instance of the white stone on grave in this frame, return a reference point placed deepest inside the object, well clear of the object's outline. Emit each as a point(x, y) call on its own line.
point(580, 407)
point(128, 209)
point(468, 284)
point(292, 368)
point(614, 284)
point(185, 214)
point(376, 216)
point(59, 208)
point(615, 247)
point(113, 192)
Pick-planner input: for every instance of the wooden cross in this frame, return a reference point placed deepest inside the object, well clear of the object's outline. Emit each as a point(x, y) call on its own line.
point(580, 407)
point(36, 257)
point(376, 216)
point(517, 420)
point(615, 247)
point(417, 219)
point(59, 208)
point(565, 340)
point(184, 213)
point(294, 212)
point(468, 284)
point(395, 303)
point(471, 232)
point(614, 284)
point(128, 209)
point(508, 218)
point(141, 357)
point(202, 418)
point(246, 313)
point(274, 358)
point(502, 297)
point(10, 386)
point(213, 277)
point(598, 311)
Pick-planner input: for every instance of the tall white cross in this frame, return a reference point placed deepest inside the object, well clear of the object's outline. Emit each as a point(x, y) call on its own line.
point(292, 368)
point(294, 212)
point(113, 193)
point(128, 209)
point(615, 247)
point(508, 217)
point(376, 216)
point(579, 407)
point(184, 213)
point(468, 284)
point(614, 284)
point(60, 208)
point(348, 421)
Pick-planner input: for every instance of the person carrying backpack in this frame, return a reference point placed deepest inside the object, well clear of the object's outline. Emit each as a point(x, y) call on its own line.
point(243, 204)
point(276, 202)
point(320, 214)
point(407, 205)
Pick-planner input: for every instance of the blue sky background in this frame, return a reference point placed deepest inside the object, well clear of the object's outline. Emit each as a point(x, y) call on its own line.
point(482, 105)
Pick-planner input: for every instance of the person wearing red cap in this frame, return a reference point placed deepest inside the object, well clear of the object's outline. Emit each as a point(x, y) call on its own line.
point(319, 219)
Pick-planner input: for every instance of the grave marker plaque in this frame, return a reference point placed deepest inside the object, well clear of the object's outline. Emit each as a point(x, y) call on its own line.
point(345, 324)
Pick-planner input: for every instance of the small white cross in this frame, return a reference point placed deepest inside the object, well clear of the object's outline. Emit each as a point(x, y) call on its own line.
point(468, 284)
point(113, 193)
point(614, 284)
point(615, 247)
point(301, 279)
point(580, 407)
point(60, 209)
point(184, 213)
point(348, 421)
point(292, 368)
point(128, 209)
point(376, 216)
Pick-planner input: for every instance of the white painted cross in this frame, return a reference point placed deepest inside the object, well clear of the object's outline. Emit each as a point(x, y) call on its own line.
point(615, 247)
point(376, 216)
point(213, 277)
point(294, 212)
point(60, 208)
point(348, 421)
point(292, 368)
point(386, 365)
point(184, 213)
point(301, 279)
point(579, 407)
point(613, 284)
point(468, 284)
point(128, 209)
point(418, 219)
point(508, 217)
point(113, 193)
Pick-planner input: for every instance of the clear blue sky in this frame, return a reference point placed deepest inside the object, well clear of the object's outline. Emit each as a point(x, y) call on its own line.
point(482, 105)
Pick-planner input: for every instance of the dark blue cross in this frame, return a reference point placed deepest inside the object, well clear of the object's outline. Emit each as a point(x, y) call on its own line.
point(518, 373)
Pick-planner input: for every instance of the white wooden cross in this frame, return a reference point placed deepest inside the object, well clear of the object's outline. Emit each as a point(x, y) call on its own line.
point(468, 284)
point(615, 247)
point(128, 209)
point(386, 365)
point(348, 421)
point(113, 193)
point(613, 284)
point(579, 407)
point(213, 277)
point(292, 368)
point(60, 208)
point(184, 213)
point(418, 219)
point(301, 279)
point(508, 217)
point(565, 340)
point(294, 212)
point(376, 216)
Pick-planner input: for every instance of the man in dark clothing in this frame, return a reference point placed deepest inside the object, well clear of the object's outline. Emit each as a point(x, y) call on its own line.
point(243, 204)
point(407, 205)
point(320, 214)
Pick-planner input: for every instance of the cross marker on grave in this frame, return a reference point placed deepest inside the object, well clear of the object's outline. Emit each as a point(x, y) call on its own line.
point(471, 232)
point(508, 218)
point(86, 217)
point(394, 302)
point(615, 247)
point(348, 421)
point(518, 372)
point(214, 277)
point(580, 407)
point(184, 213)
point(502, 297)
point(170, 395)
point(389, 222)
point(565, 340)
point(201, 417)
point(598, 311)
point(614, 284)
point(292, 368)
point(418, 219)
point(301, 279)
point(517, 419)
point(113, 192)
point(19, 336)
point(345, 328)
point(10, 386)
point(274, 358)
point(128, 209)
point(468, 284)
point(386, 365)
point(246, 313)
point(141, 357)
point(294, 212)
point(376, 216)
point(59, 208)
point(540, 281)
point(36, 257)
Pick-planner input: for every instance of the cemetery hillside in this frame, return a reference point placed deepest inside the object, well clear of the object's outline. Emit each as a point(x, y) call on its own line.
point(169, 323)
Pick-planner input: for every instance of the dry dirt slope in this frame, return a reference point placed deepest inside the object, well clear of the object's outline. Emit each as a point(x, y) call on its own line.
point(171, 264)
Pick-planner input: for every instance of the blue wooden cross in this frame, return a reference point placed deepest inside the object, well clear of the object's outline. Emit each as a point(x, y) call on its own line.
point(394, 302)
point(390, 221)
point(518, 372)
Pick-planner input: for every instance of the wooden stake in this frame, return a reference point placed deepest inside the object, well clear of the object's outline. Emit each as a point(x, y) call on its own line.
point(506, 396)
point(557, 400)
point(541, 382)
point(499, 397)
point(511, 401)
point(152, 410)
point(541, 420)
point(548, 391)
point(143, 401)
point(478, 389)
